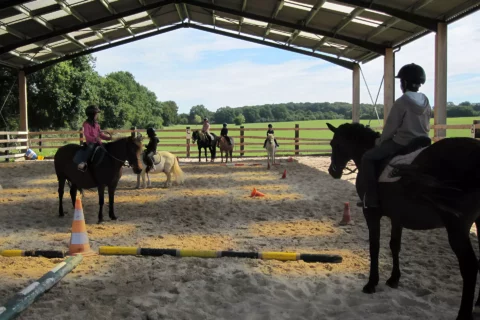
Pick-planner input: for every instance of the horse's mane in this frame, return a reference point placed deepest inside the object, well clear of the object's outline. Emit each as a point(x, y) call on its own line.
point(357, 131)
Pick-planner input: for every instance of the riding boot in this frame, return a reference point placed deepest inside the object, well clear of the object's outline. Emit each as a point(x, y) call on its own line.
point(265, 144)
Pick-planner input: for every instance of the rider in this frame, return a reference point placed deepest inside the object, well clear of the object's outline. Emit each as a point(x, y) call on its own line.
point(270, 131)
point(224, 133)
point(93, 136)
point(206, 130)
point(151, 149)
point(408, 119)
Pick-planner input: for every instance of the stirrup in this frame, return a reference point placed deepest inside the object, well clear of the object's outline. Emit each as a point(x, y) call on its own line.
point(85, 167)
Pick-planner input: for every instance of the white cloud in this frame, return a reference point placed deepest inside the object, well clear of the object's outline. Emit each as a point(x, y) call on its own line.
point(181, 67)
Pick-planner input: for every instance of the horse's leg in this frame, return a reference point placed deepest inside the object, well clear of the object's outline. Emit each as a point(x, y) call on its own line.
point(206, 158)
point(101, 200)
point(138, 181)
point(373, 222)
point(111, 199)
point(169, 177)
point(477, 224)
point(458, 237)
point(395, 244)
point(199, 154)
point(61, 186)
point(73, 194)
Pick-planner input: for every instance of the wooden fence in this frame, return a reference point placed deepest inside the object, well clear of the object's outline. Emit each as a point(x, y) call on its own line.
point(248, 141)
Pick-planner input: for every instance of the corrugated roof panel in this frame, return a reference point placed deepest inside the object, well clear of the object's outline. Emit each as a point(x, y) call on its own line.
point(30, 28)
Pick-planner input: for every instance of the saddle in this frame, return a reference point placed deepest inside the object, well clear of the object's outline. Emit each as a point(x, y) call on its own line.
point(95, 159)
point(406, 155)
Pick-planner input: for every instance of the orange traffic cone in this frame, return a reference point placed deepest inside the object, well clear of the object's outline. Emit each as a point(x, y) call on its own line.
point(256, 193)
point(346, 214)
point(79, 239)
point(284, 175)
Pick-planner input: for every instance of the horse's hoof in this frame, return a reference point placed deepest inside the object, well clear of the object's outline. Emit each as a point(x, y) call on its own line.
point(392, 283)
point(100, 221)
point(113, 218)
point(369, 289)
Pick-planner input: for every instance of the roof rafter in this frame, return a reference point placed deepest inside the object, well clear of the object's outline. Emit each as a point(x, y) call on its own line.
point(244, 6)
point(81, 26)
point(179, 11)
point(142, 2)
point(24, 56)
point(48, 25)
point(339, 62)
point(110, 9)
point(10, 3)
point(393, 21)
point(422, 21)
point(275, 12)
point(43, 65)
point(380, 49)
point(316, 8)
point(22, 36)
point(71, 11)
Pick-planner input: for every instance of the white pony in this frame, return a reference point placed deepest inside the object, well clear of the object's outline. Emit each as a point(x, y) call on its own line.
point(271, 149)
point(164, 162)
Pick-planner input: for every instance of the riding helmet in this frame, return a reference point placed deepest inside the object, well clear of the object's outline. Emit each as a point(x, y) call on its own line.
point(224, 125)
point(205, 119)
point(412, 73)
point(91, 110)
point(269, 125)
point(151, 132)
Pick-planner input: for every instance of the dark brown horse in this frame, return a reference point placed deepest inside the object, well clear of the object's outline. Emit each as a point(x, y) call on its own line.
point(105, 173)
point(438, 190)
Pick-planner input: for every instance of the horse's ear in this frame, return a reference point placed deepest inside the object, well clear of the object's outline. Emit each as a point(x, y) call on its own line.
point(332, 128)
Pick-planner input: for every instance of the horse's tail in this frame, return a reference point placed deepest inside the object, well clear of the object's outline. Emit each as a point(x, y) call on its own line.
point(178, 172)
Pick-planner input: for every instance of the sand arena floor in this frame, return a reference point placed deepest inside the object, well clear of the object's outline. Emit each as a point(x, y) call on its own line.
point(213, 210)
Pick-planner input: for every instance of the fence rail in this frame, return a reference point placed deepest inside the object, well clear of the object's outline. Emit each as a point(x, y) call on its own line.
point(246, 140)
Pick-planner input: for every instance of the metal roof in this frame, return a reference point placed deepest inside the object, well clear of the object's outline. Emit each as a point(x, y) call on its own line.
point(36, 34)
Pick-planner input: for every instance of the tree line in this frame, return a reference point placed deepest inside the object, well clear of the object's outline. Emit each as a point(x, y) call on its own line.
point(58, 96)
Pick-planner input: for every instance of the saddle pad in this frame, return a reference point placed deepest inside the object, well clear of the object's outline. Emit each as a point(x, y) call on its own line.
point(386, 175)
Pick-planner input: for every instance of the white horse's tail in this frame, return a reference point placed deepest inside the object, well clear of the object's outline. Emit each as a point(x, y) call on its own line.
point(178, 172)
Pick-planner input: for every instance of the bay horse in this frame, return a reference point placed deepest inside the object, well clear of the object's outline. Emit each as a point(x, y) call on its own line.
point(438, 189)
point(227, 148)
point(202, 142)
point(105, 172)
point(271, 149)
point(164, 162)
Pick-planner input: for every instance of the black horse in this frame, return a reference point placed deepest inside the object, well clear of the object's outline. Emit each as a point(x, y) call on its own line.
point(106, 173)
point(438, 189)
point(202, 142)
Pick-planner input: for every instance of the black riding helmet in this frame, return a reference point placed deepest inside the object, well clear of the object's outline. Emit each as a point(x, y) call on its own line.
point(151, 132)
point(224, 125)
point(91, 110)
point(205, 119)
point(269, 125)
point(412, 73)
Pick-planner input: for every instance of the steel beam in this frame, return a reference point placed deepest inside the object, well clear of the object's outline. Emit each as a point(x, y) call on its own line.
point(67, 57)
point(275, 12)
point(113, 11)
point(11, 3)
point(422, 21)
point(380, 49)
point(311, 14)
point(81, 26)
point(244, 5)
point(339, 62)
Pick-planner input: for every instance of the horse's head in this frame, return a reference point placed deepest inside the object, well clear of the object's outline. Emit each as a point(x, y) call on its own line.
point(350, 141)
point(270, 137)
point(134, 149)
point(195, 136)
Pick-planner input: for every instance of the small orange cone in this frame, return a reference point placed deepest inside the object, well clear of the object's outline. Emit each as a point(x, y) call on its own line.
point(346, 214)
point(284, 175)
point(79, 239)
point(256, 193)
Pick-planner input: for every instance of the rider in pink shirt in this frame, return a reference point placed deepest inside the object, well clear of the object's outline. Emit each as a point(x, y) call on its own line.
point(93, 136)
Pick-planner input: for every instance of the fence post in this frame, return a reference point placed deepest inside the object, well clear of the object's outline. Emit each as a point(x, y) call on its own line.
point(187, 135)
point(133, 131)
point(40, 143)
point(242, 139)
point(81, 135)
point(476, 132)
point(297, 139)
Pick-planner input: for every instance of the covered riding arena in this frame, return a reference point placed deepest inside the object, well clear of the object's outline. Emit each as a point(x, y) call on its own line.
point(213, 210)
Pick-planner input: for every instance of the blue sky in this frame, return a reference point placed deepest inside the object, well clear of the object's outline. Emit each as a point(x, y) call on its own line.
point(193, 67)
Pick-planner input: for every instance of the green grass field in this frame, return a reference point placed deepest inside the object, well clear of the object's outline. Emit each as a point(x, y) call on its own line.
point(284, 137)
